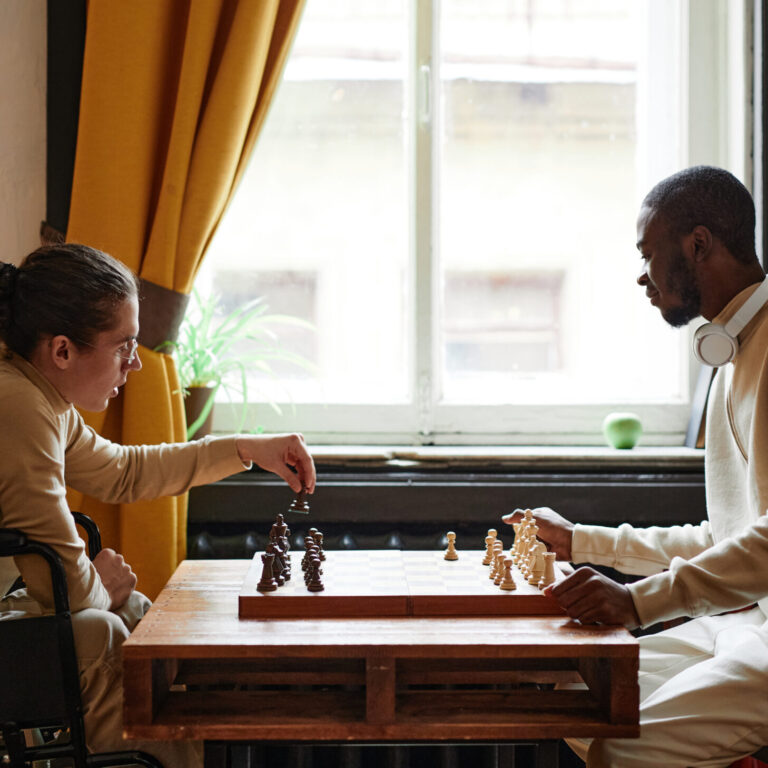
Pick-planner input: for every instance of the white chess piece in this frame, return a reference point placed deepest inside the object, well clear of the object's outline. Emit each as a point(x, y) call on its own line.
point(508, 581)
point(497, 547)
point(488, 559)
point(549, 570)
point(500, 557)
point(451, 553)
point(537, 563)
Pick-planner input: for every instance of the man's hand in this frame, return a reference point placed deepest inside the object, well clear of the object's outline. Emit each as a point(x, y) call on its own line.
point(276, 453)
point(116, 576)
point(554, 530)
point(592, 598)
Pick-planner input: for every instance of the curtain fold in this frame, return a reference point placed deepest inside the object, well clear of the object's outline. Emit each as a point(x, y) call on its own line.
point(173, 96)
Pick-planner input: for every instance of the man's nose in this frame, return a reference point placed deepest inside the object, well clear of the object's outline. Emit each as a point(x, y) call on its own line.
point(642, 278)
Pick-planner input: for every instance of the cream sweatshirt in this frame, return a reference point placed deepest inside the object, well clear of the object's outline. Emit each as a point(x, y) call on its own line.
point(45, 445)
point(722, 564)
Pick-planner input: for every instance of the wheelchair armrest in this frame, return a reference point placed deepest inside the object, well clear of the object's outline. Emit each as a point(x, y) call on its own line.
point(92, 530)
point(14, 543)
point(10, 540)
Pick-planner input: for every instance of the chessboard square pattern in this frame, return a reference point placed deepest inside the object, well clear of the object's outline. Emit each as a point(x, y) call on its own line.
point(393, 583)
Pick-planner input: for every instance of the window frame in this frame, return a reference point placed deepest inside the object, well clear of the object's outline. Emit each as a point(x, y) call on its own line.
point(716, 128)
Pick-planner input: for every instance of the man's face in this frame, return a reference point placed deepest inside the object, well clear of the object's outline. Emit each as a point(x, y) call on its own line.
point(667, 275)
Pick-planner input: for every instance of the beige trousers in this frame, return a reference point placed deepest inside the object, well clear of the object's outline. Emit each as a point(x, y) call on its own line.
point(99, 636)
point(703, 697)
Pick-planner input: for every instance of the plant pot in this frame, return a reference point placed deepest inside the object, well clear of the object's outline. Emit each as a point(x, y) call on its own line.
point(194, 403)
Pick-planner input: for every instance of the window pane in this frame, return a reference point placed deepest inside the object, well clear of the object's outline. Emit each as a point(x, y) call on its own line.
point(319, 224)
point(539, 184)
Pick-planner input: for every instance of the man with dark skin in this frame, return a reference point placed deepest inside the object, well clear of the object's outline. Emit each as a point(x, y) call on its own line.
point(695, 234)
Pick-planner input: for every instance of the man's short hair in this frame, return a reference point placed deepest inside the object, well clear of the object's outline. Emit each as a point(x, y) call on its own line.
point(711, 197)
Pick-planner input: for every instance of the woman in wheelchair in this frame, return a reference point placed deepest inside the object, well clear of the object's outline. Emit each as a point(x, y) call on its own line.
point(68, 329)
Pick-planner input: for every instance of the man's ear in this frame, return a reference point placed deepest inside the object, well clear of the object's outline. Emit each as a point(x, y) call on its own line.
point(62, 352)
point(701, 242)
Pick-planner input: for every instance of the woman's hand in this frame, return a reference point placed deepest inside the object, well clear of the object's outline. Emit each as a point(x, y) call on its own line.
point(116, 576)
point(285, 455)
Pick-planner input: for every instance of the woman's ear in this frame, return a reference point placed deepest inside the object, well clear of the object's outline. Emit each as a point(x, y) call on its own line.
point(62, 352)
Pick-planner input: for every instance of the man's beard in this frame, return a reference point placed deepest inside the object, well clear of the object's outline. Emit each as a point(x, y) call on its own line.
point(681, 280)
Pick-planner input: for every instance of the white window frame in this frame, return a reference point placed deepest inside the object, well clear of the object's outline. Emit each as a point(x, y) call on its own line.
point(717, 129)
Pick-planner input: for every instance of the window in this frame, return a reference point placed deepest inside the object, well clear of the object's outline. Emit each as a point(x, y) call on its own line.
point(448, 192)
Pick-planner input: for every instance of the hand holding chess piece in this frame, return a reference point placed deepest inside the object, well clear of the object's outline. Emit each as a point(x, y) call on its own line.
point(553, 529)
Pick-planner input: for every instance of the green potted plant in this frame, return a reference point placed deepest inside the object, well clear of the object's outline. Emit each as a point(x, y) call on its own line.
point(217, 352)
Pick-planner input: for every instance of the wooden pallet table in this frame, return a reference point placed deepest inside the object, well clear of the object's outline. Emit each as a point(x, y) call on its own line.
point(195, 670)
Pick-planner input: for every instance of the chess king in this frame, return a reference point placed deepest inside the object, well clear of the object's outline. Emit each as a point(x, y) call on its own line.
point(703, 684)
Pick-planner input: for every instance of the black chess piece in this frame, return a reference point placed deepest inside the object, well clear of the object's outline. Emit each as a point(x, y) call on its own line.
point(300, 503)
point(310, 553)
point(318, 537)
point(278, 565)
point(309, 542)
point(267, 583)
point(314, 583)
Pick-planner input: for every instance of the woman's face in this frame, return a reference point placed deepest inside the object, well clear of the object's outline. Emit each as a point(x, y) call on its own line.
point(100, 370)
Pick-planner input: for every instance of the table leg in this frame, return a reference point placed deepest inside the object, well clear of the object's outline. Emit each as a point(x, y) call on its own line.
point(215, 754)
point(547, 754)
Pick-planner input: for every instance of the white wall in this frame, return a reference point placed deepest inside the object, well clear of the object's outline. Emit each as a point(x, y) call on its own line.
point(22, 125)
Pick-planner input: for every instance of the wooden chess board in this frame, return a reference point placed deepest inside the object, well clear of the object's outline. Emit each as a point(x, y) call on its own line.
point(371, 583)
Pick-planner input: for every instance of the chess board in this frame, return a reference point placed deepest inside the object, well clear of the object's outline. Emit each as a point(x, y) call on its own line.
point(370, 583)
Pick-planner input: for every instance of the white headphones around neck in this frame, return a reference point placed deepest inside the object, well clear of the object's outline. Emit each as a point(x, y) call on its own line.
point(715, 344)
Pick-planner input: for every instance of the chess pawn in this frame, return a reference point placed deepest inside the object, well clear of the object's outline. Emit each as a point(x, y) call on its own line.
point(549, 570)
point(318, 537)
point(516, 542)
point(499, 570)
point(508, 581)
point(497, 547)
point(530, 544)
point(451, 553)
point(521, 542)
point(488, 559)
point(314, 554)
point(314, 584)
point(308, 555)
point(300, 504)
point(537, 563)
point(267, 582)
point(309, 542)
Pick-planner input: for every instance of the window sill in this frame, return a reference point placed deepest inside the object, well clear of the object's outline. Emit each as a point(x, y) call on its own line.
point(563, 458)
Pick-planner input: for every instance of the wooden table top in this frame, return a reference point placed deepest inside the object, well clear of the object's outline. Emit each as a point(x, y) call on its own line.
point(193, 669)
point(198, 610)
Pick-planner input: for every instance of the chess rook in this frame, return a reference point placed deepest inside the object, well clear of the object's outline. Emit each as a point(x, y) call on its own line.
point(267, 583)
point(549, 570)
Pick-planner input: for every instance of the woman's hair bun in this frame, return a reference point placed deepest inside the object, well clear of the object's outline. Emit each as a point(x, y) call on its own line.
point(8, 274)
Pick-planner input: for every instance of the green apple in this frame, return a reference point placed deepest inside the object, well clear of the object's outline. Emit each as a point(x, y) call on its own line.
point(622, 430)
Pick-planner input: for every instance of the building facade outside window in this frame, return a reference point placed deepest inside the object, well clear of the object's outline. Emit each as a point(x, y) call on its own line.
point(448, 192)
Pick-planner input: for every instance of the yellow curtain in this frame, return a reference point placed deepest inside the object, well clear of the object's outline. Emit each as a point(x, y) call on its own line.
point(173, 97)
